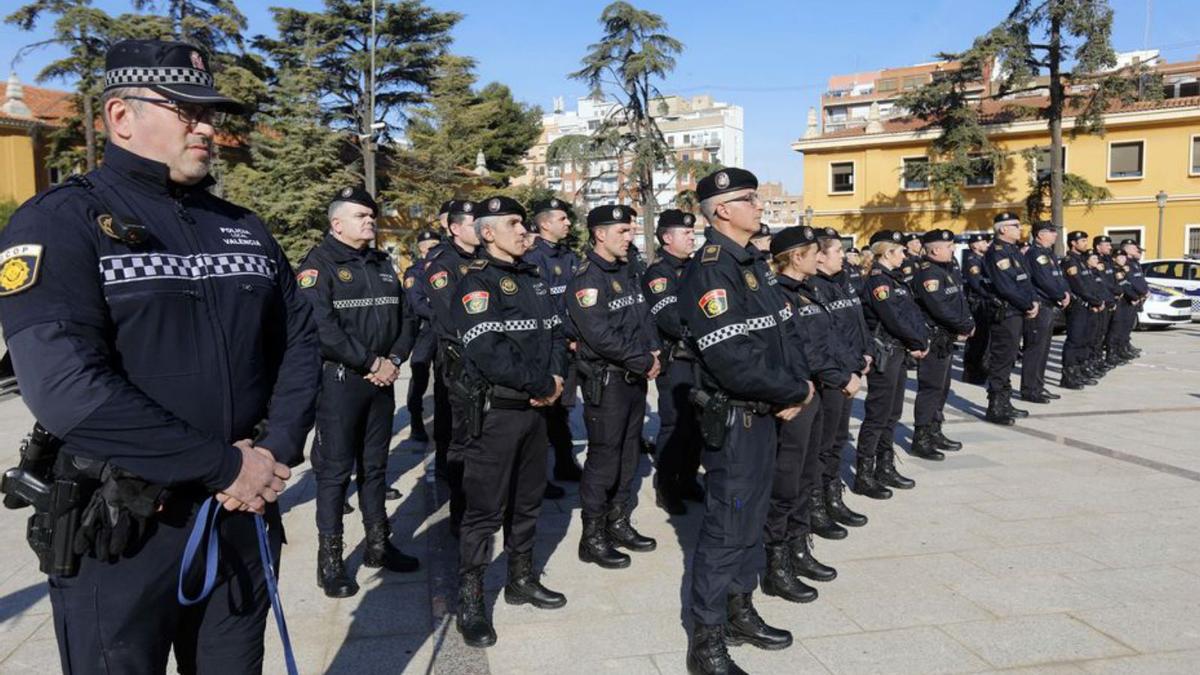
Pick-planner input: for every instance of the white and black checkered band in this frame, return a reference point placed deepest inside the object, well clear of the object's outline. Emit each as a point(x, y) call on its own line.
point(140, 76)
point(120, 269)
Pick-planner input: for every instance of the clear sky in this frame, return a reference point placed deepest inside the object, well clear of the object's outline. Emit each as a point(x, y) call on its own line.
point(772, 57)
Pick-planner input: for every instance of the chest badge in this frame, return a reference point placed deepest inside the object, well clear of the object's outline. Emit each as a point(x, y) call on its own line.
point(462, 269)
point(616, 285)
point(508, 285)
point(344, 275)
point(557, 271)
point(751, 280)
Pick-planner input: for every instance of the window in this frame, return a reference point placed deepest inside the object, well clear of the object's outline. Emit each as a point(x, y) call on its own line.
point(847, 241)
point(1193, 240)
point(890, 84)
point(841, 177)
point(671, 141)
point(687, 138)
point(1042, 164)
point(1195, 164)
point(913, 82)
point(712, 157)
point(593, 125)
point(1120, 234)
point(1125, 160)
point(686, 156)
point(914, 173)
point(55, 175)
point(984, 174)
point(1165, 270)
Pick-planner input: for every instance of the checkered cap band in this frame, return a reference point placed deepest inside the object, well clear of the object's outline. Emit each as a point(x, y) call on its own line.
point(141, 76)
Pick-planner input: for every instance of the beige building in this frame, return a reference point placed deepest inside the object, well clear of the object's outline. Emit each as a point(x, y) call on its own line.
point(780, 209)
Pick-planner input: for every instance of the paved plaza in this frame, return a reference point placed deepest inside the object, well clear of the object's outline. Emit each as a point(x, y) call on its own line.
point(1068, 543)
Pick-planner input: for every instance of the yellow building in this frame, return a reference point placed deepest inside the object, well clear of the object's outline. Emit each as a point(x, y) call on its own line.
point(26, 115)
point(854, 177)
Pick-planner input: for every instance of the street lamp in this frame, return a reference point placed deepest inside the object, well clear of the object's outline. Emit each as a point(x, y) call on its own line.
point(808, 215)
point(1161, 199)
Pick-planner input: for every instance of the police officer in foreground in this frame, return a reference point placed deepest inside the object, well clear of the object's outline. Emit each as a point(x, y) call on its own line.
point(618, 352)
point(153, 327)
point(552, 254)
point(939, 291)
point(1086, 302)
point(751, 374)
point(1053, 294)
point(678, 439)
point(515, 359)
point(366, 333)
point(982, 301)
point(425, 345)
point(1005, 268)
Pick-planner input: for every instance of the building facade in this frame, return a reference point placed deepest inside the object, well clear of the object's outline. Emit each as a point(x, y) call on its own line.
point(855, 176)
point(27, 114)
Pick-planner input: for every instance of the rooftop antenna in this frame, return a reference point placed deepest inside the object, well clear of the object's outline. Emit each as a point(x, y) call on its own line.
point(1146, 34)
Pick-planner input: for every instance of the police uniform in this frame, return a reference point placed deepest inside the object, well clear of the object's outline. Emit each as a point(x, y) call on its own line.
point(1006, 268)
point(898, 327)
point(940, 293)
point(425, 346)
point(854, 274)
point(1053, 293)
point(981, 298)
point(678, 444)
point(912, 261)
point(1137, 281)
point(361, 318)
point(512, 350)
point(151, 326)
point(616, 340)
point(1127, 306)
point(739, 325)
point(1086, 303)
point(557, 264)
point(1108, 274)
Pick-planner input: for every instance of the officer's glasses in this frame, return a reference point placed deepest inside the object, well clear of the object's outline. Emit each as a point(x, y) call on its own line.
point(752, 198)
point(189, 113)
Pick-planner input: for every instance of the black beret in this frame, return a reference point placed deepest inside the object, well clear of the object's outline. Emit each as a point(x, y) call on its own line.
point(1101, 239)
point(1005, 217)
point(445, 208)
point(455, 207)
point(1076, 236)
point(792, 237)
point(356, 195)
point(1119, 251)
point(1130, 242)
point(610, 214)
point(1044, 225)
point(176, 70)
point(725, 180)
point(976, 237)
point(499, 206)
point(552, 204)
point(675, 218)
point(852, 250)
point(936, 236)
point(827, 233)
point(426, 234)
point(912, 236)
point(764, 230)
point(886, 235)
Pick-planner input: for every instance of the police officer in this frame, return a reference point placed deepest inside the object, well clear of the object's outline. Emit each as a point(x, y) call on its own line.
point(852, 267)
point(1005, 267)
point(898, 329)
point(447, 264)
point(552, 255)
point(1053, 293)
point(1127, 308)
point(515, 356)
point(1102, 245)
point(912, 257)
point(366, 333)
point(678, 442)
point(426, 342)
point(1100, 320)
point(1086, 303)
point(982, 300)
point(751, 373)
point(940, 293)
point(762, 240)
point(618, 352)
point(153, 327)
point(1137, 278)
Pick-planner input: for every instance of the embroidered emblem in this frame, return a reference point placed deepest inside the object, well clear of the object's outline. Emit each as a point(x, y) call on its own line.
point(1003, 263)
point(722, 180)
point(881, 293)
point(439, 279)
point(931, 285)
point(616, 285)
point(714, 303)
point(476, 302)
point(751, 280)
point(344, 275)
point(586, 297)
point(658, 285)
point(508, 285)
point(19, 267)
point(307, 278)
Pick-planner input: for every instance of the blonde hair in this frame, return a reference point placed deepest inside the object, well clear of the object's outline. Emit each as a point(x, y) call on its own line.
point(881, 248)
point(781, 261)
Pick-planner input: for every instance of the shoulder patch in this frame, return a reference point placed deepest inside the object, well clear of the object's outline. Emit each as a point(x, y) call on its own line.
point(658, 285)
point(931, 285)
point(19, 267)
point(974, 269)
point(439, 279)
point(586, 297)
point(710, 254)
point(476, 302)
point(882, 292)
point(307, 278)
point(1072, 270)
point(1043, 259)
point(1003, 263)
point(478, 264)
point(876, 272)
point(715, 302)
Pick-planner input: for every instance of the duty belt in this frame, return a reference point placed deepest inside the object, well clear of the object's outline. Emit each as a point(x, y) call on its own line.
point(756, 407)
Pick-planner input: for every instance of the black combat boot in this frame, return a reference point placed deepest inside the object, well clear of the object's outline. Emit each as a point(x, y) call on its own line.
point(1087, 376)
point(804, 564)
point(473, 621)
point(996, 412)
point(381, 553)
point(780, 581)
point(417, 432)
point(1013, 412)
point(924, 446)
point(941, 442)
point(1070, 378)
point(837, 507)
point(886, 474)
point(523, 587)
point(821, 521)
point(746, 626)
point(666, 496)
point(621, 532)
point(864, 480)
point(391, 495)
point(331, 569)
point(707, 655)
point(1034, 397)
point(594, 546)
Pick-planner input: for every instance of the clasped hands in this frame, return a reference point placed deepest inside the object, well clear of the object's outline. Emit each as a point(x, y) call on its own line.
point(259, 482)
point(383, 372)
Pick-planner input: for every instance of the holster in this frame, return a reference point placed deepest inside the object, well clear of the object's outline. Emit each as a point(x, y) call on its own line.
point(716, 415)
point(594, 376)
point(57, 504)
point(885, 349)
point(941, 342)
point(449, 358)
point(474, 394)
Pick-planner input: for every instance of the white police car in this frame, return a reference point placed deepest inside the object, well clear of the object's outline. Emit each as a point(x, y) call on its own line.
point(1182, 274)
point(1164, 307)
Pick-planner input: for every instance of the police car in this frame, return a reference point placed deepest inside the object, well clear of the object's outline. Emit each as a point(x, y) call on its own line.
point(1182, 274)
point(1164, 307)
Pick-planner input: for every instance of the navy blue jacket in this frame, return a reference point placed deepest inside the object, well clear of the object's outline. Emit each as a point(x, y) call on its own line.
point(1005, 267)
point(157, 357)
point(979, 287)
point(661, 287)
point(840, 298)
point(557, 264)
point(889, 304)
point(1137, 278)
point(610, 316)
point(418, 303)
point(938, 288)
point(1046, 274)
point(447, 265)
point(1081, 281)
point(818, 336)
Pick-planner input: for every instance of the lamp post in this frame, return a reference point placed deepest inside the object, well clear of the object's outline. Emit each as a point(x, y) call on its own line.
point(1161, 199)
point(808, 215)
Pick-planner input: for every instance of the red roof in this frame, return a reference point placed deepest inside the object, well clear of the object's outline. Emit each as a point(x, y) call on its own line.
point(49, 106)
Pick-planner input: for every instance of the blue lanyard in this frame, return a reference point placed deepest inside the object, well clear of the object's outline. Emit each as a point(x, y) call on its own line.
point(206, 526)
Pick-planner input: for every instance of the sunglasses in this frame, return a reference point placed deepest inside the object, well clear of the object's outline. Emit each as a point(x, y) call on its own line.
point(188, 113)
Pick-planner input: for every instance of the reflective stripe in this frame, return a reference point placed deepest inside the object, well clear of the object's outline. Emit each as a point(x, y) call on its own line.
point(521, 324)
point(658, 306)
point(558, 290)
point(761, 322)
point(722, 334)
point(366, 302)
point(119, 269)
point(552, 322)
point(620, 303)
point(480, 329)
